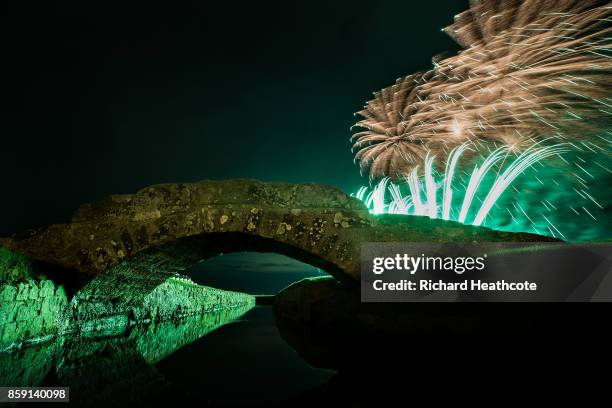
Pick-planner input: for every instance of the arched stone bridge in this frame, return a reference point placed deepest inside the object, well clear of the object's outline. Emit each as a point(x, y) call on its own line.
point(141, 241)
point(172, 226)
point(187, 222)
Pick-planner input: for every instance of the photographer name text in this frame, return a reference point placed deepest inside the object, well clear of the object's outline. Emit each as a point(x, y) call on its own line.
point(458, 265)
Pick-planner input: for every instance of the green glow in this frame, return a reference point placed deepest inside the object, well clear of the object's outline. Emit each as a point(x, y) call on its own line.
point(399, 204)
point(408, 199)
point(430, 187)
point(377, 197)
point(476, 179)
point(451, 163)
point(525, 160)
point(415, 191)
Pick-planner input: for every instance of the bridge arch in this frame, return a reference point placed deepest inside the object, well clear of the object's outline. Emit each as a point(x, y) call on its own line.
point(136, 245)
point(313, 223)
point(151, 285)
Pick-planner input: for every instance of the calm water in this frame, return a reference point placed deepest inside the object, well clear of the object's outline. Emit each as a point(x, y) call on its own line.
point(251, 272)
point(243, 361)
point(209, 360)
point(234, 357)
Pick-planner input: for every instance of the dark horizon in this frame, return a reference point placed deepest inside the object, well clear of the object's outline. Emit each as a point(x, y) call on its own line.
point(106, 99)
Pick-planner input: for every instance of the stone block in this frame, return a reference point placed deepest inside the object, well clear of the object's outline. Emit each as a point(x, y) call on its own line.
point(45, 307)
point(10, 334)
point(37, 326)
point(47, 288)
point(12, 311)
point(23, 291)
point(8, 293)
point(33, 292)
point(24, 313)
point(60, 296)
point(49, 322)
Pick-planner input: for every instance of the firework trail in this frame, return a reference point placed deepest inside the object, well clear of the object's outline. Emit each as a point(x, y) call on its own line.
point(529, 71)
point(532, 76)
point(412, 203)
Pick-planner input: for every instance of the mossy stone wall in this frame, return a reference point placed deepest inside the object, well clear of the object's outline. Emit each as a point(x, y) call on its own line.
point(29, 310)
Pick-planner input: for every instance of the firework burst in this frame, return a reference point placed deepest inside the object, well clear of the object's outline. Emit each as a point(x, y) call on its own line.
point(420, 195)
point(529, 71)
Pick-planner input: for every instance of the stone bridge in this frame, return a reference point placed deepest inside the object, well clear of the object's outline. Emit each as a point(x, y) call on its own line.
point(143, 241)
point(176, 225)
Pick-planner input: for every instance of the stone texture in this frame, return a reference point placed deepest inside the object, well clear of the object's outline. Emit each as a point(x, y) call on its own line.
point(141, 292)
point(128, 294)
point(100, 369)
point(313, 223)
point(29, 310)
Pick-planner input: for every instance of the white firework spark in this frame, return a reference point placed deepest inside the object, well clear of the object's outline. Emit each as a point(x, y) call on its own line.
point(529, 71)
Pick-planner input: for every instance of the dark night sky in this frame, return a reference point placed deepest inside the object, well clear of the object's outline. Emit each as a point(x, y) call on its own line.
point(100, 98)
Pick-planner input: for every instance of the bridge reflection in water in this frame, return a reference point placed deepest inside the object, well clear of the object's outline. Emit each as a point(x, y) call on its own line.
point(101, 370)
point(200, 359)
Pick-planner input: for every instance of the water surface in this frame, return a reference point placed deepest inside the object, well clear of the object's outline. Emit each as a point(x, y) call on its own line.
point(245, 361)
